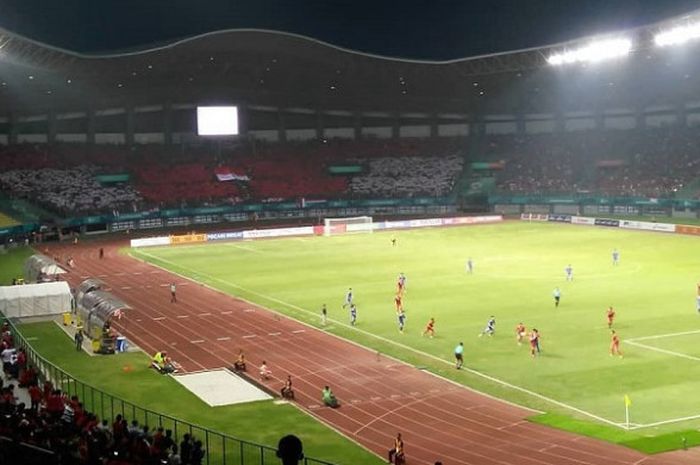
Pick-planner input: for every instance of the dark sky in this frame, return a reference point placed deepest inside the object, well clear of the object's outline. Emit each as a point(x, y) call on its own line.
point(421, 29)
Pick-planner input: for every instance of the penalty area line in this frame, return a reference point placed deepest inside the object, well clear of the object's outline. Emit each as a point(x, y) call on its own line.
point(664, 351)
point(661, 336)
point(397, 344)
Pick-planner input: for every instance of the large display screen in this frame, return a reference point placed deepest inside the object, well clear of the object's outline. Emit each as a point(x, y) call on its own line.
point(217, 121)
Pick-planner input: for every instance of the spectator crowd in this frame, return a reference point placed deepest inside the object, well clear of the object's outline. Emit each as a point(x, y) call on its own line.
point(57, 422)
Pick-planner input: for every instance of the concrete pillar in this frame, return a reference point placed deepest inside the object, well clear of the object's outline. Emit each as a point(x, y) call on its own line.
point(319, 124)
point(168, 123)
point(281, 126)
point(51, 127)
point(12, 129)
point(129, 131)
point(90, 130)
point(357, 125)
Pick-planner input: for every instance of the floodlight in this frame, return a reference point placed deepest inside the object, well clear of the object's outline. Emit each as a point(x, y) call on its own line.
point(677, 35)
point(593, 52)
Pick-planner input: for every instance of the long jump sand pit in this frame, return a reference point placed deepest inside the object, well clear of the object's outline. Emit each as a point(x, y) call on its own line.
point(221, 387)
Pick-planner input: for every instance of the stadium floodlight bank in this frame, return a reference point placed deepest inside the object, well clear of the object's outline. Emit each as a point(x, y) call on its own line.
point(350, 225)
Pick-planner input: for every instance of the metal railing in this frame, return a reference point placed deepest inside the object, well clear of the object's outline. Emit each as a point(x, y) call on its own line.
point(220, 448)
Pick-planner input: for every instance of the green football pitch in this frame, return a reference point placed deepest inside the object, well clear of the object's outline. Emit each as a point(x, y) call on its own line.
point(517, 265)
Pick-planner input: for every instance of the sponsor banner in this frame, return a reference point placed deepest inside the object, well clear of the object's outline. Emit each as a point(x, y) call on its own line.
point(647, 226)
point(188, 239)
point(606, 222)
point(534, 217)
point(278, 232)
point(225, 236)
point(583, 220)
point(685, 229)
point(472, 219)
point(396, 224)
point(424, 223)
point(150, 241)
point(559, 218)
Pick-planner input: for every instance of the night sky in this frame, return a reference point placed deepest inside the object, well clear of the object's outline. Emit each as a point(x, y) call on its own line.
point(419, 29)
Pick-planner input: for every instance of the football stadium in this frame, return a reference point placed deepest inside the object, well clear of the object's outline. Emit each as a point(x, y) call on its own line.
point(255, 247)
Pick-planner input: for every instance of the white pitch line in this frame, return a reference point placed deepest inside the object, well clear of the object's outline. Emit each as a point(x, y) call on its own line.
point(204, 314)
point(664, 351)
point(661, 336)
point(665, 422)
point(297, 331)
point(242, 247)
point(197, 341)
point(223, 338)
point(398, 344)
point(249, 336)
point(159, 318)
point(182, 316)
point(274, 334)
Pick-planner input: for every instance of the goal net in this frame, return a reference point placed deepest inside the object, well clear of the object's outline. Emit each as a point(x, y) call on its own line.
point(355, 224)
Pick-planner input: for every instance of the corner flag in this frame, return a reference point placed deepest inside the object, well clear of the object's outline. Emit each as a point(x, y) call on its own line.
point(628, 401)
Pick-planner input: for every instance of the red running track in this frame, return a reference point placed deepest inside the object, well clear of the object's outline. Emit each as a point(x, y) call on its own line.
point(439, 420)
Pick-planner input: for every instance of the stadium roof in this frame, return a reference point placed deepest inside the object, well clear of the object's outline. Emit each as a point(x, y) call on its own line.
point(261, 67)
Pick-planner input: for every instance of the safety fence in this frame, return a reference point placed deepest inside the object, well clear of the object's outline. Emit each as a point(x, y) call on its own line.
point(220, 448)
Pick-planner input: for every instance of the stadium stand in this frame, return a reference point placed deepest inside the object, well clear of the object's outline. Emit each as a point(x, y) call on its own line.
point(50, 427)
point(655, 163)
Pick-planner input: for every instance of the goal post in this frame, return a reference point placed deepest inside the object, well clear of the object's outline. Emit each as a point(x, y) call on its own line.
point(350, 225)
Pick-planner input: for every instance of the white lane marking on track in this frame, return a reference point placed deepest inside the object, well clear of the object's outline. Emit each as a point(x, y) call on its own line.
point(227, 312)
point(138, 272)
point(183, 316)
point(197, 341)
point(204, 314)
point(159, 318)
point(226, 338)
point(126, 287)
point(297, 331)
point(249, 336)
point(274, 334)
point(248, 310)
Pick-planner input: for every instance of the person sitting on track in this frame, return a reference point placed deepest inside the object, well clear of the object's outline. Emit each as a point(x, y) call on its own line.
point(239, 364)
point(329, 399)
point(163, 363)
point(396, 454)
point(265, 373)
point(287, 392)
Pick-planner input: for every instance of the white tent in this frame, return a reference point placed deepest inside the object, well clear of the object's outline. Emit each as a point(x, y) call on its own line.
point(35, 299)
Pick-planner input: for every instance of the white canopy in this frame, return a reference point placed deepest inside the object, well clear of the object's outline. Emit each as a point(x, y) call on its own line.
point(35, 299)
point(40, 265)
